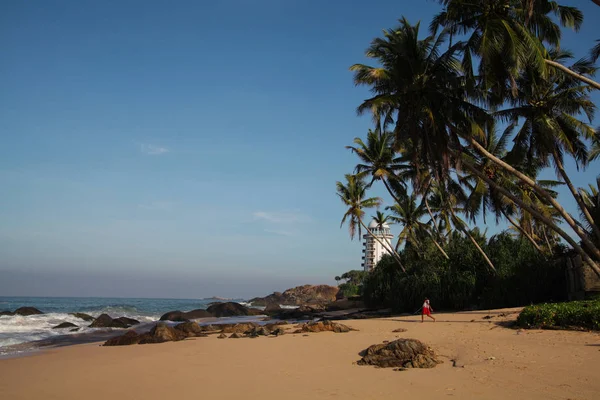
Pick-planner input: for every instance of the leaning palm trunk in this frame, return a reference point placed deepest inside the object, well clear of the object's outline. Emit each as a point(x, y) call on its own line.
point(523, 231)
point(537, 214)
point(385, 245)
point(585, 211)
point(591, 247)
point(574, 74)
point(472, 239)
point(428, 210)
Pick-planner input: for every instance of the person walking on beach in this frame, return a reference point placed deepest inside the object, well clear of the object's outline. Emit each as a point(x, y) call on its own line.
point(426, 310)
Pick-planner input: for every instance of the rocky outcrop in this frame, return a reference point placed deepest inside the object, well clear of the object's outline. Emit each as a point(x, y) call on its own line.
point(401, 353)
point(323, 326)
point(131, 337)
point(105, 321)
point(25, 311)
point(9, 313)
point(65, 325)
point(85, 317)
point(191, 329)
point(181, 316)
point(231, 309)
point(300, 295)
point(302, 312)
point(235, 335)
point(238, 328)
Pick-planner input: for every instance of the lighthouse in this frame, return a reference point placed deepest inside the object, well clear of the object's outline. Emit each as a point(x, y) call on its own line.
point(372, 248)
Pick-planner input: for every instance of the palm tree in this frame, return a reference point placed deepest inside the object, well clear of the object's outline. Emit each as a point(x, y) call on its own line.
point(408, 213)
point(426, 93)
point(591, 201)
point(447, 200)
point(549, 109)
point(378, 158)
point(353, 195)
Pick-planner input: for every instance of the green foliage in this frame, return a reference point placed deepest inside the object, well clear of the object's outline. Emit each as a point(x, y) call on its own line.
point(575, 314)
point(354, 283)
point(523, 276)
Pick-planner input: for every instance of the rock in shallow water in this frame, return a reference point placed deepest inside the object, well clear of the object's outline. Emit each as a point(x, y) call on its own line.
point(83, 316)
point(401, 353)
point(231, 309)
point(25, 311)
point(65, 325)
point(105, 321)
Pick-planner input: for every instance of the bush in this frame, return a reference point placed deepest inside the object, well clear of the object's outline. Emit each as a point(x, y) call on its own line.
point(524, 276)
point(574, 314)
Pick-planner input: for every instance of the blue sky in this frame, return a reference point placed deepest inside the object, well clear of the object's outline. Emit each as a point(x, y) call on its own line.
point(184, 149)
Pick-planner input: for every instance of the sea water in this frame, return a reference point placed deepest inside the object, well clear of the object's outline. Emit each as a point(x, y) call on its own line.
point(18, 329)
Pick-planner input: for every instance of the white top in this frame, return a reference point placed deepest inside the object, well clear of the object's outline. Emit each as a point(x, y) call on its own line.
point(426, 304)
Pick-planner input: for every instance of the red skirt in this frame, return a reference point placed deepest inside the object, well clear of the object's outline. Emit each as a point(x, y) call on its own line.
point(426, 311)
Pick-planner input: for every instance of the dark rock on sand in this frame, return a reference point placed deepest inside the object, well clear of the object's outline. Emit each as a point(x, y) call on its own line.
point(103, 321)
point(131, 337)
point(231, 309)
point(235, 335)
point(83, 316)
point(401, 353)
point(324, 326)
point(222, 336)
point(239, 328)
point(258, 331)
point(300, 295)
point(191, 329)
point(25, 311)
point(65, 325)
point(399, 330)
point(160, 333)
point(180, 316)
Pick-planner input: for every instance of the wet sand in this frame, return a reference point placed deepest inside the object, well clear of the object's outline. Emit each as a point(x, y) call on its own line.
point(490, 361)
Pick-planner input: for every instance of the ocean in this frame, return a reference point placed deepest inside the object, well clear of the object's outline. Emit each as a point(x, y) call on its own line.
point(16, 330)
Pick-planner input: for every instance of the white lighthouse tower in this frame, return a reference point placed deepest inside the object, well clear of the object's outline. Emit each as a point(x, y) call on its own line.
point(373, 250)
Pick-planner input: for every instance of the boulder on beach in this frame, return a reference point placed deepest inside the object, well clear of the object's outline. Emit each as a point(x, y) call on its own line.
point(401, 353)
point(235, 335)
point(160, 333)
point(105, 321)
point(25, 311)
point(302, 312)
point(65, 325)
point(239, 328)
point(323, 326)
point(130, 337)
point(231, 309)
point(222, 336)
point(191, 329)
point(181, 316)
point(299, 295)
point(272, 309)
point(85, 317)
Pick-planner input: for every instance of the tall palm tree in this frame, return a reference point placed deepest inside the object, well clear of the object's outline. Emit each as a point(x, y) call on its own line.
point(427, 94)
point(549, 109)
point(449, 197)
point(353, 195)
point(378, 158)
point(421, 90)
point(407, 213)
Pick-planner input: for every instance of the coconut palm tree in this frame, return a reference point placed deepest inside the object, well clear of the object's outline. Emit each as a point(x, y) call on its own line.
point(549, 109)
point(426, 93)
point(353, 195)
point(407, 213)
point(378, 158)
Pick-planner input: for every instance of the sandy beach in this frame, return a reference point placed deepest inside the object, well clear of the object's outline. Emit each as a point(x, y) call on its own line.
point(490, 362)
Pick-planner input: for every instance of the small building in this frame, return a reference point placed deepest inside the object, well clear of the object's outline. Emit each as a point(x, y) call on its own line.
point(373, 250)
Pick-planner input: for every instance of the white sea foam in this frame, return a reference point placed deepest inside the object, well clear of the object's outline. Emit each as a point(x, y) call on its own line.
point(18, 329)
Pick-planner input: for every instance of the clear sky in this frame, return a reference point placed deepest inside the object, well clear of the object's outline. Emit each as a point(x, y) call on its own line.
point(185, 149)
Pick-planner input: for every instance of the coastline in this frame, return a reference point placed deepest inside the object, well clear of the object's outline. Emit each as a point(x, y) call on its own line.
point(490, 361)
